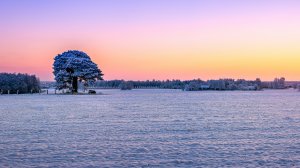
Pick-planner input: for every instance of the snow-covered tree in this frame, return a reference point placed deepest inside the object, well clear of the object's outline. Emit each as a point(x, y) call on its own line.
point(73, 66)
point(18, 83)
point(126, 85)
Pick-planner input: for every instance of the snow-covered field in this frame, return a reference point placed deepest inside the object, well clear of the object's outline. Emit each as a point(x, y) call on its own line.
point(149, 128)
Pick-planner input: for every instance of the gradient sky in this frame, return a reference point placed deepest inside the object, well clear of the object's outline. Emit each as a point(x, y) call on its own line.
point(155, 39)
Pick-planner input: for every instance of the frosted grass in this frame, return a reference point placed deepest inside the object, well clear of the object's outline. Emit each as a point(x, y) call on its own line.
point(151, 128)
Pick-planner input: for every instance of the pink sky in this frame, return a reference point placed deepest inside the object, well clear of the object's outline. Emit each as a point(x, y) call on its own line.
point(155, 40)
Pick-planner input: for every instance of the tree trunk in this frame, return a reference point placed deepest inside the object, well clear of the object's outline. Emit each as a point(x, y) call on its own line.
point(75, 84)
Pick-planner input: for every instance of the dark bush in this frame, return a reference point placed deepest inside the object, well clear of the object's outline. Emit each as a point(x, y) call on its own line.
point(92, 92)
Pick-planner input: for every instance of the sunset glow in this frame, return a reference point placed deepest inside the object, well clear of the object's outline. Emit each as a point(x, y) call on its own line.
point(139, 40)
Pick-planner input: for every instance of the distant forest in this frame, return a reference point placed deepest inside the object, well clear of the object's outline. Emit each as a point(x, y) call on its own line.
point(187, 85)
point(24, 83)
point(190, 85)
point(18, 83)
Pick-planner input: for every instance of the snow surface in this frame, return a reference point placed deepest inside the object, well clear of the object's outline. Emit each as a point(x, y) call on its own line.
point(151, 128)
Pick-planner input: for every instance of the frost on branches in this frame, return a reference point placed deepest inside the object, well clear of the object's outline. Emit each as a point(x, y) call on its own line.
point(73, 66)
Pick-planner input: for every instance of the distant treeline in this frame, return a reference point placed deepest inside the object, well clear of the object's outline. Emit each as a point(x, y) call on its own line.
point(191, 85)
point(188, 85)
point(196, 84)
point(168, 84)
point(18, 83)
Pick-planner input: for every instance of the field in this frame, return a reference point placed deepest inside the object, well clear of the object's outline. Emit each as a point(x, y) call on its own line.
point(149, 128)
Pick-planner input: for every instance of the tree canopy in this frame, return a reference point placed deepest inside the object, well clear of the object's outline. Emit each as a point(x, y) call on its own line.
point(73, 65)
